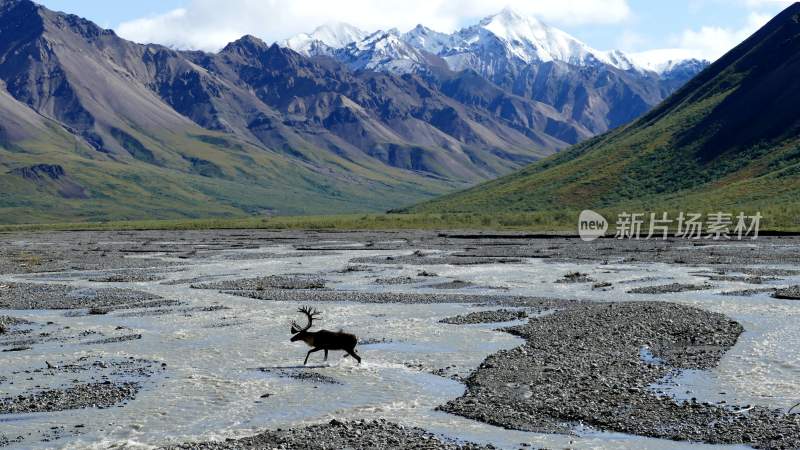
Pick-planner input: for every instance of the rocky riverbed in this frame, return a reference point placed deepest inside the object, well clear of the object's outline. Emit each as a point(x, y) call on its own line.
point(611, 344)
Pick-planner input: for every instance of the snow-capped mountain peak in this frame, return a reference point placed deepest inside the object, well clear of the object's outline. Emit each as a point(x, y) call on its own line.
point(332, 35)
point(665, 60)
point(379, 41)
point(338, 34)
point(512, 26)
point(495, 45)
point(427, 39)
point(527, 38)
point(383, 50)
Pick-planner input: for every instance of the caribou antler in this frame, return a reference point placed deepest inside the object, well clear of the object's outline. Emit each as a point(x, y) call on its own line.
point(310, 313)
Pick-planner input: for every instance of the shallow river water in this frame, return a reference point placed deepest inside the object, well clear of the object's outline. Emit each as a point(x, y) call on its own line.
point(216, 376)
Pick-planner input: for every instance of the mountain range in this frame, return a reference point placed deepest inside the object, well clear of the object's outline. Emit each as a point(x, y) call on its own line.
point(594, 90)
point(96, 127)
point(729, 140)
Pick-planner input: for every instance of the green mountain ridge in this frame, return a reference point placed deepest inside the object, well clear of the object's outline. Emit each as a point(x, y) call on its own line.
point(728, 140)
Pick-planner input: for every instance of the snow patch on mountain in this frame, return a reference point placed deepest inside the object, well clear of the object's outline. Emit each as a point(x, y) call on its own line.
point(328, 37)
point(384, 51)
point(529, 40)
point(424, 38)
point(665, 60)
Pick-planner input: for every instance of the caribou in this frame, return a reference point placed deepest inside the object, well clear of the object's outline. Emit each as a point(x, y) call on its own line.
point(323, 339)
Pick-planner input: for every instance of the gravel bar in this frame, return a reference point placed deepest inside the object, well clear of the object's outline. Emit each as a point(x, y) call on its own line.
point(23, 296)
point(790, 293)
point(361, 435)
point(94, 395)
point(268, 282)
point(500, 315)
point(670, 288)
point(583, 365)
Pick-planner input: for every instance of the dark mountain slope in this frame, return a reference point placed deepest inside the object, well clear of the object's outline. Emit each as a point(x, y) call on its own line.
point(375, 114)
point(598, 97)
point(729, 138)
point(68, 69)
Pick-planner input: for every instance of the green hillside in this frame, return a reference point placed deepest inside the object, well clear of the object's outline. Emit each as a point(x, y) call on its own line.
point(193, 174)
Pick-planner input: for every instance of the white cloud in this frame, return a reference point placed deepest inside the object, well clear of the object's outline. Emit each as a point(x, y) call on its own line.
point(630, 40)
point(712, 42)
point(210, 24)
point(760, 3)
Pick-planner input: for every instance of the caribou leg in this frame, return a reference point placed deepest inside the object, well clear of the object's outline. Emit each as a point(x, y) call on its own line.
point(352, 352)
point(309, 354)
point(326, 354)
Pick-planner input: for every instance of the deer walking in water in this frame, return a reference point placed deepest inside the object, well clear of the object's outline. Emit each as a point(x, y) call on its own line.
point(323, 339)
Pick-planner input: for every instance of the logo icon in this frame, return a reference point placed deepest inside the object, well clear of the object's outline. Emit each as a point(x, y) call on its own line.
point(591, 225)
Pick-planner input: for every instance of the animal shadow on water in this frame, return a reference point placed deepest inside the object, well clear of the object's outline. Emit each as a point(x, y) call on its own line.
point(298, 367)
point(323, 339)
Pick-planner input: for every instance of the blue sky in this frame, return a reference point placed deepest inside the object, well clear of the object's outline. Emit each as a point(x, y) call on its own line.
point(658, 23)
point(705, 27)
